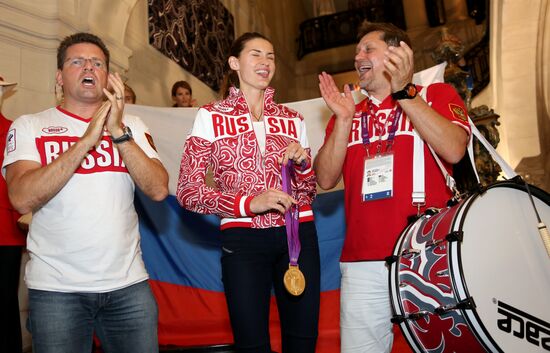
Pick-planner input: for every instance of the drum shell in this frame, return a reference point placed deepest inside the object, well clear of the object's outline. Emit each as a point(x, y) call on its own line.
point(446, 274)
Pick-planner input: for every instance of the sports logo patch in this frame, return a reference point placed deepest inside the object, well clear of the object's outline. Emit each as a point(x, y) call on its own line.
point(10, 141)
point(458, 112)
point(150, 140)
point(54, 130)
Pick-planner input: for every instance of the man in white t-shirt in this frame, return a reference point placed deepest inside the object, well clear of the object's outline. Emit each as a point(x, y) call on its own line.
point(75, 167)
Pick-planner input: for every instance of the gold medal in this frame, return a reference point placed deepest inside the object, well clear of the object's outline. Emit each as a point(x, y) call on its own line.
point(294, 280)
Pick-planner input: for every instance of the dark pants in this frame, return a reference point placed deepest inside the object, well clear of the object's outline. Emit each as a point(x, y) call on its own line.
point(253, 262)
point(10, 327)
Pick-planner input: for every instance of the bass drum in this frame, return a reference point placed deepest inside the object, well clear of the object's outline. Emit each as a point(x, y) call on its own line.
point(475, 277)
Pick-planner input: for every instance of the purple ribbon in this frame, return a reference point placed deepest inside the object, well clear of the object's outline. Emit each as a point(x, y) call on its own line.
point(291, 216)
point(394, 116)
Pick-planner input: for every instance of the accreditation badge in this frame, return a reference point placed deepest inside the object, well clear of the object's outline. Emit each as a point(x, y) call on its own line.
point(377, 177)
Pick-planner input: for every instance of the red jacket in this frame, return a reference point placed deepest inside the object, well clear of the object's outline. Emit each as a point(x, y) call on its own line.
point(223, 139)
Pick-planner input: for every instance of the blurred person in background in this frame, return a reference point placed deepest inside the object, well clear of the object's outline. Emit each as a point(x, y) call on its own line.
point(129, 95)
point(182, 95)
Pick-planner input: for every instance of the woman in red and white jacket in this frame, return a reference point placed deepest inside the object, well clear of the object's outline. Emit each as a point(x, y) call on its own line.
point(245, 139)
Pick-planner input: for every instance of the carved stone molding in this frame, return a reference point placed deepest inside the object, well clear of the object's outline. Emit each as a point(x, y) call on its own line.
point(30, 27)
point(41, 25)
point(486, 120)
point(426, 40)
point(532, 170)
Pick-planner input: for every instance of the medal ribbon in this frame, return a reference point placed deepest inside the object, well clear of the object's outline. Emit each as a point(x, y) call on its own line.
point(291, 217)
point(395, 116)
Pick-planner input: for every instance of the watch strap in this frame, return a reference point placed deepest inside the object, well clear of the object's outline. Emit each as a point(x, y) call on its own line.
point(126, 136)
point(408, 92)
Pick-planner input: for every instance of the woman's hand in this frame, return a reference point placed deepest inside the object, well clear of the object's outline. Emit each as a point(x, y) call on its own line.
point(272, 199)
point(294, 152)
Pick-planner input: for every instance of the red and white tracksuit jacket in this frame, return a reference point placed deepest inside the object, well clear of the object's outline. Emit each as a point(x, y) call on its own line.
point(223, 139)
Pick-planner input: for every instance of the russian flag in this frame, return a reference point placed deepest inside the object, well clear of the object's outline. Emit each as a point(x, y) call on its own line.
point(182, 249)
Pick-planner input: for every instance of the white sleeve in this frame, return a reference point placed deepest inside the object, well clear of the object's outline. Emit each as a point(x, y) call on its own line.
point(141, 135)
point(202, 126)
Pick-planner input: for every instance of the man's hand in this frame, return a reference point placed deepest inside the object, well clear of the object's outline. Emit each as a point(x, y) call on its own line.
point(399, 64)
point(114, 120)
point(330, 158)
point(94, 133)
point(342, 106)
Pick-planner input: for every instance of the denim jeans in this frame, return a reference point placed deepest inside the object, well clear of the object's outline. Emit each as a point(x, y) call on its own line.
point(125, 320)
point(253, 262)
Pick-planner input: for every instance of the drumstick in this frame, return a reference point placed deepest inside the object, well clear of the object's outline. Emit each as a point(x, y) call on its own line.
point(545, 235)
point(543, 230)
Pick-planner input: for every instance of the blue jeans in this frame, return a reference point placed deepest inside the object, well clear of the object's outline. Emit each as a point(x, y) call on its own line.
point(125, 320)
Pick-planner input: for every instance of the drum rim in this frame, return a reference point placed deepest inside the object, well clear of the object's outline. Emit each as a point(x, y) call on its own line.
point(472, 315)
point(460, 290)
point(395, 295)
point(474, 325)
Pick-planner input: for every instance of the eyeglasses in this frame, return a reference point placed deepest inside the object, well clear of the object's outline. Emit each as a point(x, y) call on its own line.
point(81, 62)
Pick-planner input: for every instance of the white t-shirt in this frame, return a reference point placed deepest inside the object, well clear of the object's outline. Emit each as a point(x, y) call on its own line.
point(86, 238)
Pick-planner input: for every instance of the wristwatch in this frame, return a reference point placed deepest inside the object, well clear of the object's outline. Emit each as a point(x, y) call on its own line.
point(126, 136)
point(409, 92)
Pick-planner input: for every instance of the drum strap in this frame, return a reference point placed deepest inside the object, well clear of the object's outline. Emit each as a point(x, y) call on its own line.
point(419, 178)
point(509, 173)
point(419, 194)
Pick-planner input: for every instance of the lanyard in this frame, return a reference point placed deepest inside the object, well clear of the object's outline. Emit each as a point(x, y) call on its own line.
point(291, 217)
point(394, 116)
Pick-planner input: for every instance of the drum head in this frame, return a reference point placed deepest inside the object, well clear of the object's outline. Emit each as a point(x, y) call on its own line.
point(503, 265)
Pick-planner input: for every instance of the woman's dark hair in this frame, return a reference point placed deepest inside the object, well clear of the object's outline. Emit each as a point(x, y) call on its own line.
point(391, 34)
point(181, 84)
point(231, 78)
point(78, 38)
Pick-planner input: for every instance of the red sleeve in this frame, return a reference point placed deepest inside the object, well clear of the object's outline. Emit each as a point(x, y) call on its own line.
point(11, 234)
point(192, 191)
point(444, 99)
